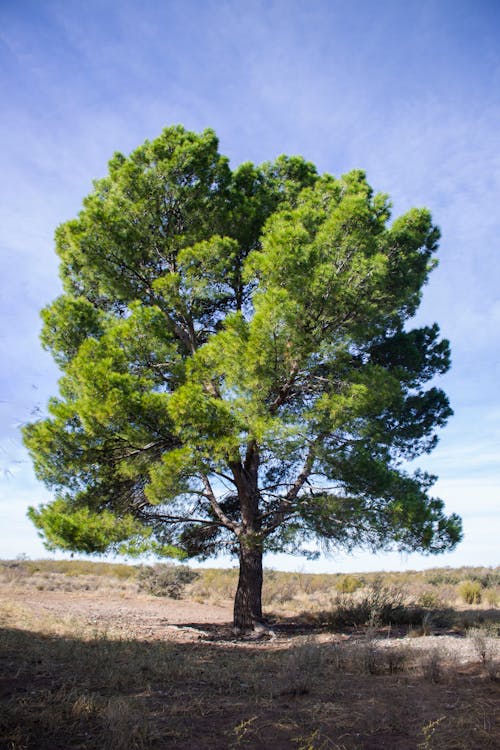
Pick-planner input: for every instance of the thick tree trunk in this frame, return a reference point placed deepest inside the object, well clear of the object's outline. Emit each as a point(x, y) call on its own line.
point(248, 599)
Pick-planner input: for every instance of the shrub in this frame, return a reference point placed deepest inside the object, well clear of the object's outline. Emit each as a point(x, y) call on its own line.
point(471, 592)
point(380, 604)
point(430, 600)
point(215, 584)
point(442, 577)
point(348, 584)
point(486, 577)
point(432, 665)
point(491, 596)
point(166, 580)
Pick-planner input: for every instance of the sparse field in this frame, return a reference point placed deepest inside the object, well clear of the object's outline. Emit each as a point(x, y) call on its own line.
point(90, 660)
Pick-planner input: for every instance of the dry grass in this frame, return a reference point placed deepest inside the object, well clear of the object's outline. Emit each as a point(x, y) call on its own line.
point(99, 692)
point(67, 684)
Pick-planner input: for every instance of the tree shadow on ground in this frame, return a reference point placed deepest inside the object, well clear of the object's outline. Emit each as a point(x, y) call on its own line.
point(60, 692)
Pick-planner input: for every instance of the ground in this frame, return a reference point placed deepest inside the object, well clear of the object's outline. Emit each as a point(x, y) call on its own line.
point(119, 669)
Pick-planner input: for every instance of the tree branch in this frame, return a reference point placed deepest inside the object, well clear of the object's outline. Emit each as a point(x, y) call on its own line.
point(225, 521)
point(285, 389)
point(225, 476)
point(179, 519)
point(284, 507)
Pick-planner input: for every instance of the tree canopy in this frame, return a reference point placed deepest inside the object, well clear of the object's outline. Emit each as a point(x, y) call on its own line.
point(238, 372)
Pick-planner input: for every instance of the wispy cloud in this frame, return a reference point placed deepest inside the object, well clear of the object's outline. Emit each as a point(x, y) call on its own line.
point(407, 91)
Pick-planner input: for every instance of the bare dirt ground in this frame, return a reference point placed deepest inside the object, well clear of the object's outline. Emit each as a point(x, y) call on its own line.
point(136, 616)
point(143, 617)
point(127, 671)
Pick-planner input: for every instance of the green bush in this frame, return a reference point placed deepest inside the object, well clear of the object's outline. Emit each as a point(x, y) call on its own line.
point(487, 578)
point(442, 577)
point(166, 580)
point(348, 584)
point(471, 592)
point(429, 600)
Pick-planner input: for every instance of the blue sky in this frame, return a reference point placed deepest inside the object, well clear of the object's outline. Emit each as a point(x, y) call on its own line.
point(408, 91)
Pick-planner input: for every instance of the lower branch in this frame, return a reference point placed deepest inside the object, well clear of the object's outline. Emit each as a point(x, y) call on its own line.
point(224, 520)
point(285, 508)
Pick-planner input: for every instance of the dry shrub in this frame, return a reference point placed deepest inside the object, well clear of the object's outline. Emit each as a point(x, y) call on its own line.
point(337, 656)
point(166, 580)
point(367, 657)
point(432, 665)
point(430, 600)
point(398, 658)
point(278, 589)
point(379, 604)
point(429, 621)
point(487, 649)
point(300, 669)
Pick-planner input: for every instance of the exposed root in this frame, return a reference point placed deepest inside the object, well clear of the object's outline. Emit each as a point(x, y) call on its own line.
point(257, 632)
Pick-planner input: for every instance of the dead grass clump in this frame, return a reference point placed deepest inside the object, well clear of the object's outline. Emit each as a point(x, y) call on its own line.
point(492, 597)
point(371, 656)
point(300, 669)
point(487, 649)
point(72, 718)
point(432, 665)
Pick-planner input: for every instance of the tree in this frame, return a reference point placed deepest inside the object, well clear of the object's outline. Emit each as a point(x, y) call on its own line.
point(238, 373)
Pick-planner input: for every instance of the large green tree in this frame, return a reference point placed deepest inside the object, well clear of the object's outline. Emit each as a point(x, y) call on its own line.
point(237, 369)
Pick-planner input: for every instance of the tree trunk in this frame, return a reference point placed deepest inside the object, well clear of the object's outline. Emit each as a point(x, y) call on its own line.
point(248, 599)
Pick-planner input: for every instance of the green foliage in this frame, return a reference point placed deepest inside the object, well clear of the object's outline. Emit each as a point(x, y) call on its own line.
point(166, 580)
point(81, 530)
point(440, 577)
point(430, 600)
point(237, 364)
point(471, 592)
point(348, 584)
point(487, 577)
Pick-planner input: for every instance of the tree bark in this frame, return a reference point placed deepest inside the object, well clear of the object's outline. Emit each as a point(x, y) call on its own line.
point(248, 599)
